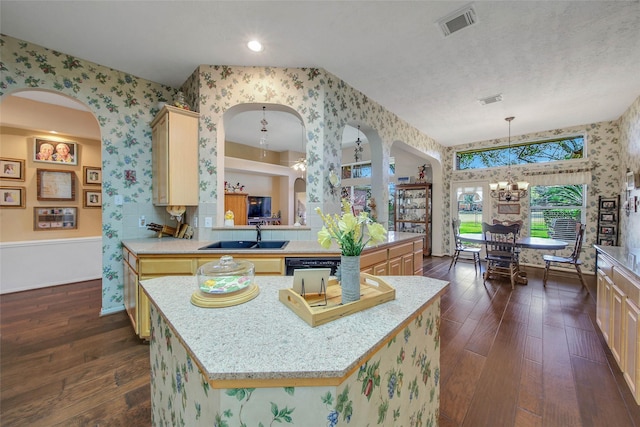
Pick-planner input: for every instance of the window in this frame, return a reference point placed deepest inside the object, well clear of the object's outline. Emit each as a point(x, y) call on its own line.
point(555, 210)
point(554, 150)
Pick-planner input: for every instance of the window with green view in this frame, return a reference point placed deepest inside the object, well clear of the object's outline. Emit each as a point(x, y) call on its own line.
point(554, 150)
point(555, 210)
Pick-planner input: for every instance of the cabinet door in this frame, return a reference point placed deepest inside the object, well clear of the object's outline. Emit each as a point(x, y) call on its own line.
point(603, 304)
point(603, 292)
point(130, 291)
point(632, 348)
point(407, 265)
point(380, 269)
point(160, 160)
point(617, 332)
point(395, 266)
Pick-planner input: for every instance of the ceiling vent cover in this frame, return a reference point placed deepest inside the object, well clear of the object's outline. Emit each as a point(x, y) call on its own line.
point(490, 99)
point(456, 21)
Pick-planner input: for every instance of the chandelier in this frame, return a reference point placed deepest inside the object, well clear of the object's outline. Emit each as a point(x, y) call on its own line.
point(357, 153)
point(264, 145)
point(301, 163)
point(506, 190)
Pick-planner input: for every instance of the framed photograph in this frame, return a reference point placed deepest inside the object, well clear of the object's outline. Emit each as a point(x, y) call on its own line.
point(632, 181)
point(60, 218)
point(608, 230)
point(92, 199)
point(12, 197)
point(61, 152)
point(605, 242)
point(92, 175)
point(607, 217)
point(502, 197)
point(11, 169)
point(56, 185)
point(608, 204)
point(508, 209)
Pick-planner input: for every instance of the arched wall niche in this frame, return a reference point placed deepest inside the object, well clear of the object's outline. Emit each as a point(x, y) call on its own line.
point(279, 172)
point(437, 196)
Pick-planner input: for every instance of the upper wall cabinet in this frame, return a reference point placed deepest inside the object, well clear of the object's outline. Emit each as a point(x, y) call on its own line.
point(175, 157)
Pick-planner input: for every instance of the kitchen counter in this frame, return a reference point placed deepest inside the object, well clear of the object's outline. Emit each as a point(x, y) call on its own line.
point(209, 362)
point(624, 257)
point(170, 245)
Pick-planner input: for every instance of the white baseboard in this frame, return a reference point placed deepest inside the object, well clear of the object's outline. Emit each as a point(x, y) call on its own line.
point(41, 263)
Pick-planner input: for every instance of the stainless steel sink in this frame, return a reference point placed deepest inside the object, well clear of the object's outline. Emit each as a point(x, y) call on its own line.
point(246, 244)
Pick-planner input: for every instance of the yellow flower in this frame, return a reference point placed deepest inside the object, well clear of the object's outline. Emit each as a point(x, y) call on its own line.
point(348, 230)
point(324, 238)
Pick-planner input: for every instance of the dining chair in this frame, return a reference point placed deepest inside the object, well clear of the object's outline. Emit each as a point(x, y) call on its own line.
point(500, 246)
point(460, 247)
point(573, 259)
point(519, 223)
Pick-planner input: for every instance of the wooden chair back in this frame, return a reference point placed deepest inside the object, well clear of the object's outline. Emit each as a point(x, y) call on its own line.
point(575, 255)
point(500, 240)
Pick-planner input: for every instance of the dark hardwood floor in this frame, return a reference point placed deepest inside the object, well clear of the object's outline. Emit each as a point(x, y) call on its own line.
point(528, 357)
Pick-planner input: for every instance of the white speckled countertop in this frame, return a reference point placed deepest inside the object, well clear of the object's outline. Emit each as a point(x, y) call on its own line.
point(628, 258)
point(264, 339)
point(169, 245)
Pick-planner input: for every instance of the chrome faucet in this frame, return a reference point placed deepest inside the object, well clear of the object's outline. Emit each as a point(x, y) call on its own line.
point(258, 233)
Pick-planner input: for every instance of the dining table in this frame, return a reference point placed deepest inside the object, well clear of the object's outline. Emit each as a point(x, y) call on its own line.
point(538, 243)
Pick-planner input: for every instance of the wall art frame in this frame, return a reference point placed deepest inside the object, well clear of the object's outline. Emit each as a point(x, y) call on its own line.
point(13, 197)
point(608, 217)
point(92, 199)
point(608, 204)
point(92, 175)
point(55, 218)
point(605, 242)
point(609, 230)
point(49, 151)
point(12, 169)
point(56, 185)
point(508, 209)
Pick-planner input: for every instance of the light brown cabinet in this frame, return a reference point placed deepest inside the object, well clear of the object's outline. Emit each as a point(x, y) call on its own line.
point(617, 314)
point(236, 203)
point(175, 157)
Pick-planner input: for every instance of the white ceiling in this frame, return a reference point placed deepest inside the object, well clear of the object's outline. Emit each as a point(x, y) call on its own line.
point(556, 63)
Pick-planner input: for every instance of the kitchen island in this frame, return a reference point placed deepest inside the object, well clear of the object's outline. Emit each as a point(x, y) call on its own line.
point(258, 363)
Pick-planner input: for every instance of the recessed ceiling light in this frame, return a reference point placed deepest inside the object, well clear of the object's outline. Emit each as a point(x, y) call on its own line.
point(255, 46)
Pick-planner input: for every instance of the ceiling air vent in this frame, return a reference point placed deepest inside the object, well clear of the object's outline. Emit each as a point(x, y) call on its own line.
point(490, 99)
point(458, 20)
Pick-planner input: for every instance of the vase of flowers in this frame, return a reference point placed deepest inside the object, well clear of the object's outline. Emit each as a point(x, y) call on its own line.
point(348, 230)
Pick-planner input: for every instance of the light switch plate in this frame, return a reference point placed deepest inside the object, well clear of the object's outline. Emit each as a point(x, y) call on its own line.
point(208, 221)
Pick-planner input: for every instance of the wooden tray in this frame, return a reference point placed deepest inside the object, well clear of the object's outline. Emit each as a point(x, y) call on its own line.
point(373, 291)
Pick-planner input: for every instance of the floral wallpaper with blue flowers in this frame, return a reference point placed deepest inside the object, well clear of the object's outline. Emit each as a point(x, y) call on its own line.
point(399, 385)
point(124, 105)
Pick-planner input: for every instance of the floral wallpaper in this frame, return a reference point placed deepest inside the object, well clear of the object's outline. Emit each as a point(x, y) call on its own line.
point(398, 385)
point(325, 104)
point(124, 105)
point(630, 160)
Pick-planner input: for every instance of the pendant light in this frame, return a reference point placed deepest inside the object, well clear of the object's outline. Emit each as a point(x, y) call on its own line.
point(301, 163)
point(357, 152)
point(508, 189)
point(264, 145)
